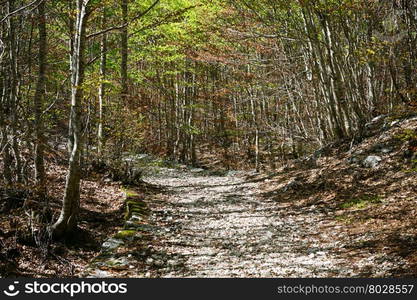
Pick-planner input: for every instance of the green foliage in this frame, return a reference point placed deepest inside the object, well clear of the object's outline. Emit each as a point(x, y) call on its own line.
point(361, 202)
point(190, 129)
point(407, 135)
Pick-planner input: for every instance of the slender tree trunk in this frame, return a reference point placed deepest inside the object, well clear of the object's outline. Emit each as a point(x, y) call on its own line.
point(124, 53)
point(4, 110)
point(102, 87)
point(38, 102)
point(14, 87)
point(67, 221)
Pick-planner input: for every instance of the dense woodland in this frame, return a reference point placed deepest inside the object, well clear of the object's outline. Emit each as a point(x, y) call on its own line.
point(234, 84)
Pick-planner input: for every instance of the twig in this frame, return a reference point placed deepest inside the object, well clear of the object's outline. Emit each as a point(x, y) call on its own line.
point(121, 26)
point(2, 49)
point(35, 2)
point(56, 98)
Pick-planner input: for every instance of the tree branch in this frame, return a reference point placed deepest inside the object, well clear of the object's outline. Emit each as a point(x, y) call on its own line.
point(121, 26)
point(35, 2)
point(168, 18)
point(2, 49)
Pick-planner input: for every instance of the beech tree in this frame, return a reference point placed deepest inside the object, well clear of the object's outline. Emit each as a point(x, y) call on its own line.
point(70, 204)
point(38, 101)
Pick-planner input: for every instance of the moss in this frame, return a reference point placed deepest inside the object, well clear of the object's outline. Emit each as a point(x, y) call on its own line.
point(130, 193)
point(411, 170)
point(361, 202)
point(140, 210)
point(344, 219)
point(349, 219)
point(124, 234)
point(407, 135)
point(135, 203)
point(136, 206)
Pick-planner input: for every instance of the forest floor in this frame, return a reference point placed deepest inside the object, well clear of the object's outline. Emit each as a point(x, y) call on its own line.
point(230, 226)
point(335, 217)
point(26, 249)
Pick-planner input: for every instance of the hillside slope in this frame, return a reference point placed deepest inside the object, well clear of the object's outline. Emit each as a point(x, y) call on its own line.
point(368, 193)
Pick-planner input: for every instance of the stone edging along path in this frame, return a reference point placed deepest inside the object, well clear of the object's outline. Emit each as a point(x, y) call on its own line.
point(120, 254)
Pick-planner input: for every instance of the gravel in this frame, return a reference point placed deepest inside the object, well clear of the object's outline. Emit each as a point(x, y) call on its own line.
point(220, 228)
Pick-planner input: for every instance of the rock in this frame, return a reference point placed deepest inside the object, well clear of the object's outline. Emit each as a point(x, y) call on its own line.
point(112, 262)
point(211, 252)
point(386, 150)
point(174, 263)
point(357, 175)
point(378, 118)
point(309, 161)
point(147, 228)
point(382, 148)
point(112, 244)
point(354, 159)
point(268, 235)
point(133, 222)
point(99, 274)
point(135, 218)
point(372, 161)
point(232, 173)
point(127, 235)
point(394, 123)
point(149, 261)
point(291, 185)
point(117, 263)
point(158, 263)
point(130, 225)
point(375, 122)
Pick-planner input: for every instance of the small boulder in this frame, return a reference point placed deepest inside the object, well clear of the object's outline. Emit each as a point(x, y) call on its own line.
point(382, 148)
point(375, 122)
point(354, 159)
point(111, 244)
point(293, 184)
point(99, 274)
point(197, 170)
point(386, 150)
point(372, 161)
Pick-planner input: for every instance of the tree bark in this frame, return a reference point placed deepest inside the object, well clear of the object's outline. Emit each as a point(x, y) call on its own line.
point(67, 221)
point(38, 102)
point(124, 53)
point(102, 87)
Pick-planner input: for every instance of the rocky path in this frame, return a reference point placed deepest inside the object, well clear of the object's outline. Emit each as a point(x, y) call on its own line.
point(218, 226)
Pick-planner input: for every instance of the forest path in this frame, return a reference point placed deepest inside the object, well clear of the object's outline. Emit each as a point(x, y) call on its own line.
point(219, 226)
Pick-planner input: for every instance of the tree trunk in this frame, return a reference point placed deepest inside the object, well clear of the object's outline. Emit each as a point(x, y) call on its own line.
point(38, 101)
point(14, 88)
point(67, 221)
point(124, 53)
point(102, 87)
